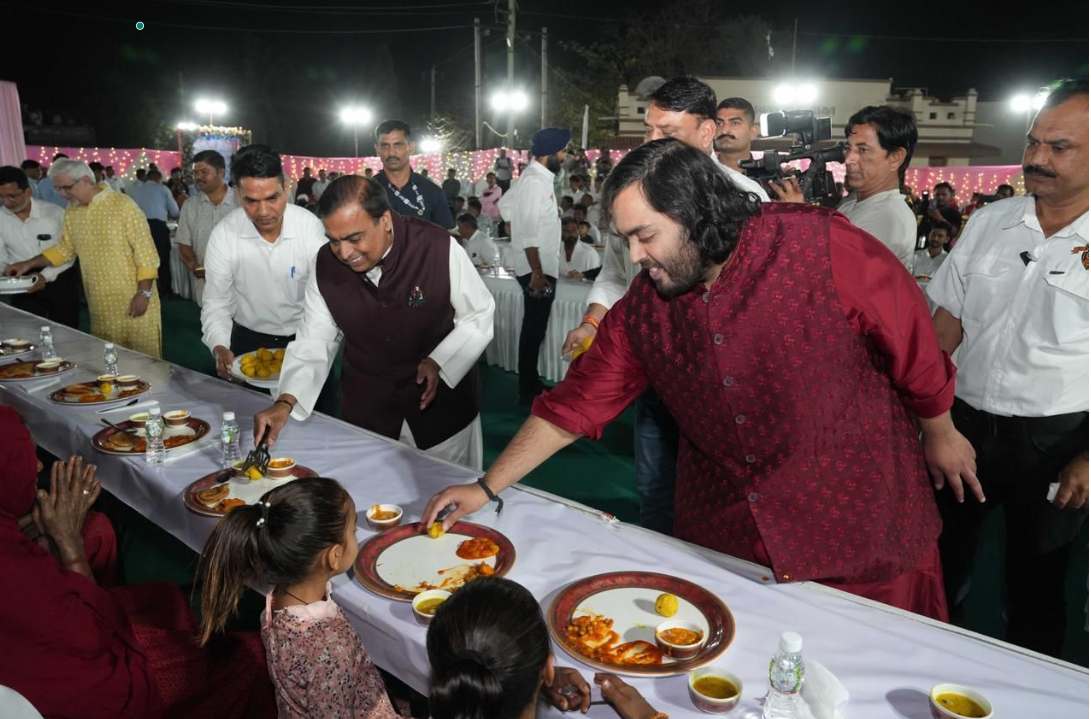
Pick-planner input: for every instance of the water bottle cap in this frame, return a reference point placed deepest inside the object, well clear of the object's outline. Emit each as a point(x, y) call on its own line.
point(45, 328)
point(109, 345)
point(791, 643)
point(229, 416)
point(153, 410)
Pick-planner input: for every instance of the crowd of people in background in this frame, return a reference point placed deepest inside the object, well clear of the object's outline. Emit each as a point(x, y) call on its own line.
point(674, 240)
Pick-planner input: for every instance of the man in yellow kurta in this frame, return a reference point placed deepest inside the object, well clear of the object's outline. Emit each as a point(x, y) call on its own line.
point(109, 234)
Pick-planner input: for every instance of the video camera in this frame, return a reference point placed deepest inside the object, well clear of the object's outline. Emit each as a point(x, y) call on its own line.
point(816, 181)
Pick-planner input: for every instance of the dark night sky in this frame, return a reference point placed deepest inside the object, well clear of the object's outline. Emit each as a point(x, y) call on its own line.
point(288, 86)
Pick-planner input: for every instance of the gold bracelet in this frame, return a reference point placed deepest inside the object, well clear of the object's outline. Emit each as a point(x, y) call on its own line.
point(659, 715)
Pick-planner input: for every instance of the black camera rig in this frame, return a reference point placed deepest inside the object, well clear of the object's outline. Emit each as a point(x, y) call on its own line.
point(816, 181)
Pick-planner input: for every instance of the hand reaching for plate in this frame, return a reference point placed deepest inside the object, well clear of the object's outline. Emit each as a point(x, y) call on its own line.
point(568, 691)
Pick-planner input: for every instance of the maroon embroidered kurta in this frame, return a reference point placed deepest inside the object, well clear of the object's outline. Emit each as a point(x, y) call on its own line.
point(793, 379)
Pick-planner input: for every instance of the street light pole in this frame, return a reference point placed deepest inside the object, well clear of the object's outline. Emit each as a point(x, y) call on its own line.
point(511, 66)
point(355, 140)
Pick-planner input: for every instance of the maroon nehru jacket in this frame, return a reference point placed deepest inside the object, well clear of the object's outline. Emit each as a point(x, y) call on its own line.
point(793, 379)
point(389, 329)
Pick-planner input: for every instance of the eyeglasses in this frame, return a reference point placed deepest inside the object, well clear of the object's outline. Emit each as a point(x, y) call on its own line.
point(64, 188)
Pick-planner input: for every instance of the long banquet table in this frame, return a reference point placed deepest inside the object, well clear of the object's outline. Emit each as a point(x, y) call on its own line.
point(887, 659)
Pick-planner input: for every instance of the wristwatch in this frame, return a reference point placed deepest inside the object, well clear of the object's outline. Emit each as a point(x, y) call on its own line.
point(147, 293)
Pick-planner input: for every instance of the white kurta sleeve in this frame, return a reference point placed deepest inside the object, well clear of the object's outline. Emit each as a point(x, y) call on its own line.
point(308, 358)
point(474, 307)
point(613, 280)
point(219, 294)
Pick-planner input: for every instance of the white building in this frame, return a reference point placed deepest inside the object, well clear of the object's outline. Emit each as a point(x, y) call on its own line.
point(945, 129)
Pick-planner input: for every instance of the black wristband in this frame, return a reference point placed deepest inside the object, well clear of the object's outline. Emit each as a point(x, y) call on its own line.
point(291, 407)
point(492, 496)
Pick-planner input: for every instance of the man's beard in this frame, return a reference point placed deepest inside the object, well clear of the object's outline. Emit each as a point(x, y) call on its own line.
point(553, 164)
point(684, 270)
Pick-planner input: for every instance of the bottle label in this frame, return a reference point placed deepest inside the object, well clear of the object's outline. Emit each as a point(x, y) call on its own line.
point(786, 677)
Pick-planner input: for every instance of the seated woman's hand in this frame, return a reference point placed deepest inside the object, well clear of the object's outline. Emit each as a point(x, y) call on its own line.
point(569, 690)
point(627, 701)
point(60, 511)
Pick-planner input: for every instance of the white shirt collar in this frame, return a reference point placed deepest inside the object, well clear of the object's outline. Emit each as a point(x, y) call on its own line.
point(1027, 214)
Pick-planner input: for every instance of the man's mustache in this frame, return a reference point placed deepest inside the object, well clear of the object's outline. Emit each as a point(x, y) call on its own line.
point(727, 135)
point(1035, 170)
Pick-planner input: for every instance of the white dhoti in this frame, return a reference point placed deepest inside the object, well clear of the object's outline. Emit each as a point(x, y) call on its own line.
point(465, 447)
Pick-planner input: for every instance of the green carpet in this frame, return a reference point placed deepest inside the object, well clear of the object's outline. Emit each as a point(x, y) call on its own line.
point(599, 474)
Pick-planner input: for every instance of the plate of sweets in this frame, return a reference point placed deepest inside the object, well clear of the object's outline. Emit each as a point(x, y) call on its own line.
point(213, 497)
point(260, 368)
point(128, 438)
point(27, 371)
point(640, 623)
point(105, 389)
point(403, 561)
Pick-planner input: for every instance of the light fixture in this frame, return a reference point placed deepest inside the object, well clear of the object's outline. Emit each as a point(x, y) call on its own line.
point(789, 95)
point(210, 108)
point(509, 101)
point(186, 126)
point(430, 144)
point(355, 116)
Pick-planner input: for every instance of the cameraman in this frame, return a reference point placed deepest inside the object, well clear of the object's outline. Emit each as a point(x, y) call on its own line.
point(879, 145)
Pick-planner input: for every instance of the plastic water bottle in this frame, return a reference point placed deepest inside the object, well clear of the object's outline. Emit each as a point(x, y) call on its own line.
point(46, 342)
point(153, 434)
point(785, 679)
point(229, 440)
point(109, 357)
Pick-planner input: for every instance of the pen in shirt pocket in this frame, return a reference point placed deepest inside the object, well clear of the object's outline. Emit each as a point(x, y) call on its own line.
point(292, 275)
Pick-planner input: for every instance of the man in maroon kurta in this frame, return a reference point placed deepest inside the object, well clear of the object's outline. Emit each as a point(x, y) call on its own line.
point(796, 354)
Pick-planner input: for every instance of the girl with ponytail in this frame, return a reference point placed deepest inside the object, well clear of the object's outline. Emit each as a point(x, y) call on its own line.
point(490, 654)
point(295, 539)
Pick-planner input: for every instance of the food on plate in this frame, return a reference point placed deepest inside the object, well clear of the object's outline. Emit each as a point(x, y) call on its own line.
point(124, 442)
point(213, 494)
point(19, 370)
point(477, 548)
point(593, 636)
point(105, 388)
point(280, 467)
point(963, 706)
point(139, 419)
point(176, 418)
point(454, 578)
point(680, 636)
point(129, 392)
point(666, 605)
point(254, 473)
point(229, 504)
point(77, 389)
point(381, 515)
point(92, 398)
point(429, 606)
point(283, 463)
point(715, 687)
point(592, 630)
point(262, 363)
point(177, 441)
point(436, 530)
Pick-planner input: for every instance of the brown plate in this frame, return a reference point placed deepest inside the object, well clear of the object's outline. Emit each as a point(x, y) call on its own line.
point(194, 428)
point(73, 393)
point(401, 541)
point(250, 492)
point(17, 371)
point(629, 599)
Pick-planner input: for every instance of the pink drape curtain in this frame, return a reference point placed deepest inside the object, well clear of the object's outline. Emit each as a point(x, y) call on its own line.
point(12, 147)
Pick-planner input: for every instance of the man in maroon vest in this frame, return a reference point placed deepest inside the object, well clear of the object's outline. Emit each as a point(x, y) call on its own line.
point(415, 317)
point(797, 355)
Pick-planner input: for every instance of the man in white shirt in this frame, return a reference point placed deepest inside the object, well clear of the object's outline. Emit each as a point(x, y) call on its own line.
point(926, 262)
point(415, 317)
point(214, 202)
point(683, 108)
point(481, 249)
point(503, 166)
point(879, 147)
point(112, 180)
point(1013, 300)
point(531, 209)
point(257, 263)
point(490, 197)
point(27, 228)
point(484, 222)
point(736, 129)
point(578, 260)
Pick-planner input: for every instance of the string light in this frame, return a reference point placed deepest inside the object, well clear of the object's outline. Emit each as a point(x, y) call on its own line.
point(473, 166)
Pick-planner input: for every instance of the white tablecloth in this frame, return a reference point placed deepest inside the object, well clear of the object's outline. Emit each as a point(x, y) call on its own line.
point(567, 312)
point(887, 659)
